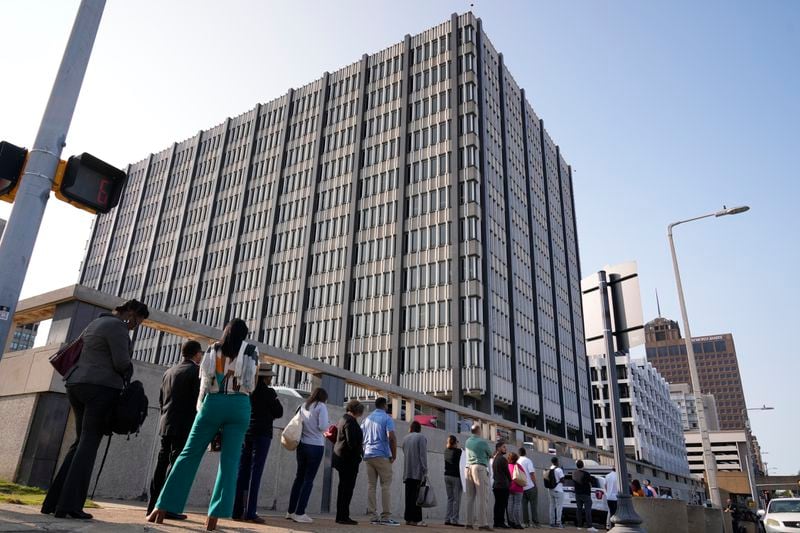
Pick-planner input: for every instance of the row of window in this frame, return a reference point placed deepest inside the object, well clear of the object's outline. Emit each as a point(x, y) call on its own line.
point(431, 76)
point(285, 271)
point(381, 123)
point(344, 86)
point(378, 215)
point(333, 197)
point(341, 112)
point(336, 167)
point(327, 261)
point(430, 49)
point(371, 363)
point(292, 210)
point(429, 202)
point(384, 68)
point(282, 303)
point(371, 324)
point(325, 295)
point(379, 183)
point(299, 154)
point(330, 228)
point(373, 286)
point(426, 315)
point(374, 250)
point(383, 95)
point(428, 136)
point(301, 129)
point(433, 274)
point(280, 337)
point(429, 106)
point(427, 357)
point(288, 240)
point(379, 153)
point(428, 168)
point(418, 240)
point(338, 139)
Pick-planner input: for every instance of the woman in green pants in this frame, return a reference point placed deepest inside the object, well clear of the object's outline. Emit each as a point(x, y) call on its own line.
point(227, 376)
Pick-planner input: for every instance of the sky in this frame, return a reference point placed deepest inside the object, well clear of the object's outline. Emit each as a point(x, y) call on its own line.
point(665, 110)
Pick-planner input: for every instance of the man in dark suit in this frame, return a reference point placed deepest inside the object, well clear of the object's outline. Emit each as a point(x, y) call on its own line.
point(180, 387)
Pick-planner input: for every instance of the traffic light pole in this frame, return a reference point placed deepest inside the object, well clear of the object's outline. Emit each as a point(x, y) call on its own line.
point(34, 190)
point(625, 520)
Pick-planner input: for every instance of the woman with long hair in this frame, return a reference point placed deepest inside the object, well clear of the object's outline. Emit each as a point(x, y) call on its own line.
point(452, 480)
point(515, 490)
point(227, 377)
point(309, 453)
point(93, 386)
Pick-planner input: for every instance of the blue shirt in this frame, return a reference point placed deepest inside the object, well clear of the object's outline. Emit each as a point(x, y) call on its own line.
point(376, 430)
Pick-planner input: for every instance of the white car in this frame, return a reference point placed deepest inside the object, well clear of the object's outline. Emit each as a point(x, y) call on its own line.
point(782, 516)
point(599, 503)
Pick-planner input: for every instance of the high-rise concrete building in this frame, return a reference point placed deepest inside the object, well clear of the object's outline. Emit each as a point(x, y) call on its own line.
point(717, 367)
point(681, 395)
point(407, 217)
point(650, 421)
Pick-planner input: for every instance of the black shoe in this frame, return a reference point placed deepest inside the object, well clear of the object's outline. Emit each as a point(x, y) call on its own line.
point(348, 522)
point(80, 515)
point(175, 516)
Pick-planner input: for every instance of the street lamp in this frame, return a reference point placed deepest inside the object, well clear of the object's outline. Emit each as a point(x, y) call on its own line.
point(708, 457)
point(749, 457)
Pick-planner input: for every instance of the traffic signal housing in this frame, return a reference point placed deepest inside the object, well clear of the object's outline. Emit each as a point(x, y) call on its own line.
point(12, 162)
point(89, 183)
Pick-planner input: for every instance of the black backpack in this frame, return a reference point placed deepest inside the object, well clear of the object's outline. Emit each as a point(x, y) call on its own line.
point(550, 479)
point(131, 409)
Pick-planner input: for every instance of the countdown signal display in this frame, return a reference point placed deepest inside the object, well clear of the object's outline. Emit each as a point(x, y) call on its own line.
point(89, 183)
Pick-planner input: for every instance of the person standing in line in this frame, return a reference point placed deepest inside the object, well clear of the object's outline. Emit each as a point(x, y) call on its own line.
point(314, 413)
point(530, 493)
point(500, 485)
point(478, 453)
point(347, 453)
point(265, 408)
point(583, 497)
point(612, 489)
point(415, 468)
point(93, 386)
point(177, 398)
point(227, 377)
point(452, 480)
point(555, 476)
point(380, 453)
point(649, 490)
point(636, 489)
point(515, 490)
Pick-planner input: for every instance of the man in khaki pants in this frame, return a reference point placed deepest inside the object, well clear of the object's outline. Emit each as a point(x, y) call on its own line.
point(380, 451)
point(478, 453)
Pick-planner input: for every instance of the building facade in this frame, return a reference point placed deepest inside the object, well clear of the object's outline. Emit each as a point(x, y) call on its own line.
point(650, 420)
point(728, 447)
point(717, 367)
point(407, 217)
point(682, 396)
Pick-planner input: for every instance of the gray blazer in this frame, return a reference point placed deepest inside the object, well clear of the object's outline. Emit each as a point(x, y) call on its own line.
point(106, 354)
point(415, 451)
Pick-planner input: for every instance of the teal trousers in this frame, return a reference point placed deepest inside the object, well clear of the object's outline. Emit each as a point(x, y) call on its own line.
point(229, 413)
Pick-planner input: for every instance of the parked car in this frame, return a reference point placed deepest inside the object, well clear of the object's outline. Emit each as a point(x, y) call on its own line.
point(599, 503)
point(781, 516)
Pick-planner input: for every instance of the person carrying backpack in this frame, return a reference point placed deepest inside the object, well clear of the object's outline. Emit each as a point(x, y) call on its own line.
point(552, 483)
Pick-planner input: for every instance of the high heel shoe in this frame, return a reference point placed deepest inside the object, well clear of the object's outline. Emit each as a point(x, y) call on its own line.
point(211, 523)
point(157, 516)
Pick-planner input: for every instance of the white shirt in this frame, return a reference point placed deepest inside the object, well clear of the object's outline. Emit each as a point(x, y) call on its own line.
point(527, 466)
point(559, 476)
point(315, 422)
point(612, 487)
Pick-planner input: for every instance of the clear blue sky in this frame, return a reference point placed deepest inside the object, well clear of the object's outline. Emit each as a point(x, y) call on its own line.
point(665, 111)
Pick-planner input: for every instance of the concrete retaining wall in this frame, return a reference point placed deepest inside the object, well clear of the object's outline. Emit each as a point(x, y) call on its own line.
point(660, 515)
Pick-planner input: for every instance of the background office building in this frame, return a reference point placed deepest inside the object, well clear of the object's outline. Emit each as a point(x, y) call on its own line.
point(407, 217)
point(682, 396)
point(717, 367)
point(650, 420)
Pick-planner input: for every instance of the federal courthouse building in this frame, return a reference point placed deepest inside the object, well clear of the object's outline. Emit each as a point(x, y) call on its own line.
point(406, 217)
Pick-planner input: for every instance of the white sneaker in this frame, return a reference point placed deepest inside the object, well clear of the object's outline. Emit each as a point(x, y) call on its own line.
point(302, 518)
point(592, 529)
point(289, 516)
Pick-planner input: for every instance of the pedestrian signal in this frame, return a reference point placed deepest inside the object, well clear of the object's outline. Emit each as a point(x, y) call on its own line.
point(12, 162)
point(89, 183)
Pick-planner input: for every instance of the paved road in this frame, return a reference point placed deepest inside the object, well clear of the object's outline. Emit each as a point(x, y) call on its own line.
point(127, 518)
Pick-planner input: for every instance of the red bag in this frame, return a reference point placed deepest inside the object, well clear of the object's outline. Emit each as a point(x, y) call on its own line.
point(67, 357)
point(331, 433)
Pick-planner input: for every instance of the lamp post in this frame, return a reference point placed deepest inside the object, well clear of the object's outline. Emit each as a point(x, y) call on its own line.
point(708, 457)
point(749, 457)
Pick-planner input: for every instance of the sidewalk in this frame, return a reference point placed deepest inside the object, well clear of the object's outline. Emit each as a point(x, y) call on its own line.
point(129, 517)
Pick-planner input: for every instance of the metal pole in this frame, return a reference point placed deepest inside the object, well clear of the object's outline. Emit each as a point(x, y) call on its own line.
point(34, 190)
point(625, 520)
point(709, 461)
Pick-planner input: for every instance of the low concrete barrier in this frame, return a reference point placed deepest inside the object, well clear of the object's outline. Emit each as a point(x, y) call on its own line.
point(661, 515)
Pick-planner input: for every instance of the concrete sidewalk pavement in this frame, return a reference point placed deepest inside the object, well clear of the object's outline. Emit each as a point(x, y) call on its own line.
point(129, 517)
